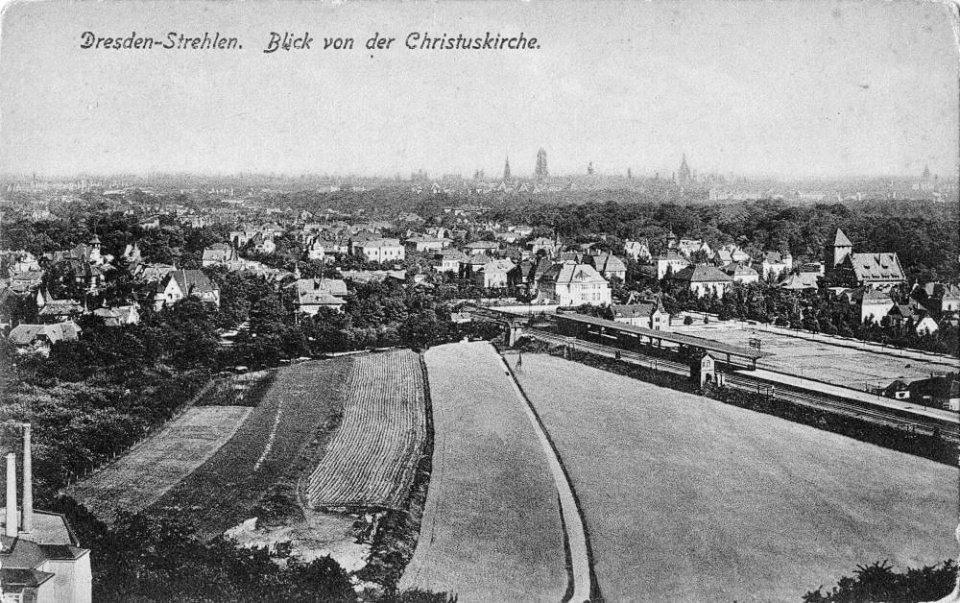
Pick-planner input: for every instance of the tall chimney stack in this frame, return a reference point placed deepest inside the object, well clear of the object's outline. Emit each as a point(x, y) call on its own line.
point(27, 514)
point(11, 495)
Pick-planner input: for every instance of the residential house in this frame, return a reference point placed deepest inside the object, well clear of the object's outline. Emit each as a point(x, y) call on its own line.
point(313, 294)
point(703, 280)
point(639, 251)
point(730, 253)
point(380, 250)
point(670, 262)
point(903, 315)
point(804, 281)
point(152, 273)
point(873, 304)
point(572, 284)
point(648, 314)
point(314, 250)
point(180, 284)
point(373, 276)
point(23, 283)
point(219, 254)
point(691, 248)
point(550, 247)
point(151, 223)
point(880, 270)
point(849, 269)
point(492, 274)
point(741, 273)
point(263, 243)
point(56, 310)
point(425, 243)
point(774, 264)
point(481, 248)
point(118, 316)
point(449, 260)
point(609, 265)
point(41, 337)
point(941, 298)
point(22, 261)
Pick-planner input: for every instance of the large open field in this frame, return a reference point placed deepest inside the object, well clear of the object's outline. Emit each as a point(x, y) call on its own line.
point(265, 450)
point(372, 459)
point(687, 499)
point(144, 474)
point(839, 364)
point(491, 528)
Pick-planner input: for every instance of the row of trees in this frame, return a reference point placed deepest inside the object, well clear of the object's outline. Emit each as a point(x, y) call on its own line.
point(923, 233)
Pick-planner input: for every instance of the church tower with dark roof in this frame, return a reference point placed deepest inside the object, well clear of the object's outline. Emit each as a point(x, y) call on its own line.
point(836, 252)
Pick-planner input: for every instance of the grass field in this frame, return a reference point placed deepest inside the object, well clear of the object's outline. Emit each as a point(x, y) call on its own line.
point(491, 528)
point(687, 499)
point(266, 449)
point(841, 365)
point(372, 459)
point(145, 473)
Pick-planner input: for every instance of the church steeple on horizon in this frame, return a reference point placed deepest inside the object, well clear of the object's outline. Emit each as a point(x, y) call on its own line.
point(683, 174)
point(506, 169)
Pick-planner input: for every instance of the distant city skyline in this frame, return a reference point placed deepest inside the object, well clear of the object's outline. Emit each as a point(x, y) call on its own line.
point(787, 90)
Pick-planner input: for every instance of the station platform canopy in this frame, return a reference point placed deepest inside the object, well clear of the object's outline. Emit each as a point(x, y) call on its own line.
point(692, 341)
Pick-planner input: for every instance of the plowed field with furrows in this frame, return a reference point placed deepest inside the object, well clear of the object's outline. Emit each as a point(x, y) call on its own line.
point(372, 459)
point(265, 449)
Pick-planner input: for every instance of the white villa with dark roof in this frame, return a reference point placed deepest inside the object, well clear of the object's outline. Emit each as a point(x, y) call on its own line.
point(573, 284)
point(703, 280)
point(380, 250)
point(180, 284)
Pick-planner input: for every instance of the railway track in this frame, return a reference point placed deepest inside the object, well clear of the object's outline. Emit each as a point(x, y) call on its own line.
point(738, 380)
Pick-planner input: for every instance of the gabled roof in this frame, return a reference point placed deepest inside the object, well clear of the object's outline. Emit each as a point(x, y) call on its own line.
point(775, 257)
point(607, 262)
point(701, 274)
point(671, 256)
point(502, 265)
point(799, 282)
point(189, 281)
point(643, 309)
point(379, 242)
point(332, 286)
point(451, 254)
point(876, 266)
point(738, 269)
point(219, 252)
point(25, 334)
point(570, 272)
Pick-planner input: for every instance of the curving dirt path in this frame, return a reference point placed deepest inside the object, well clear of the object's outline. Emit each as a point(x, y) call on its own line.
point(578, 548)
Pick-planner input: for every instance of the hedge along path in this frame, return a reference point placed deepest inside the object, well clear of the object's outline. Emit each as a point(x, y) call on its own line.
point(372, 460)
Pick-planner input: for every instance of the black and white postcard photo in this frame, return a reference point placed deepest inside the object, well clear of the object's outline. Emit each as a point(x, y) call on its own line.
point(479, 301)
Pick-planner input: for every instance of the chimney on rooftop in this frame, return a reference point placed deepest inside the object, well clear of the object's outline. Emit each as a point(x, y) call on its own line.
point(11, 515)
point(27, 514)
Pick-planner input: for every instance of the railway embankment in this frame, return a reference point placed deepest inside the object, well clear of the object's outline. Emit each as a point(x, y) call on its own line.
point(780, 402)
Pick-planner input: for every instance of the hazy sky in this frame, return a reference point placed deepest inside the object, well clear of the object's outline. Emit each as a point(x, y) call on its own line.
point(781, 88)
